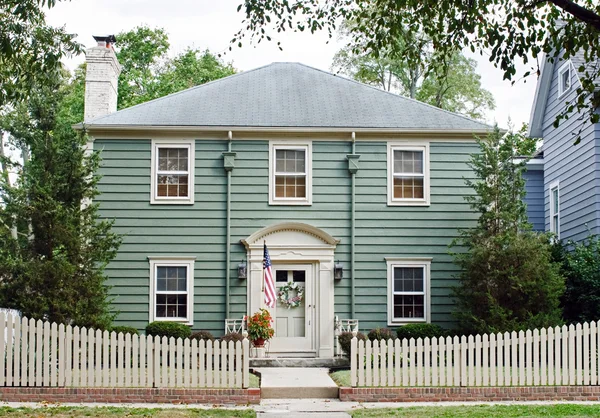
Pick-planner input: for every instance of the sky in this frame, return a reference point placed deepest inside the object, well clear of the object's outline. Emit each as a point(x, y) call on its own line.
point(212, 23)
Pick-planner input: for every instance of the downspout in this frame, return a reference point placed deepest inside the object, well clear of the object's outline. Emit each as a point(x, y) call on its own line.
point(228, 164)
point(353, 168)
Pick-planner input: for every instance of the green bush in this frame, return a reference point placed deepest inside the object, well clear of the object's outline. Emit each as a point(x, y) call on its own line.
point(580, 264)
point(415, 331)
point(233, 336)
point(345, 341)
point(125, 330)
point(168, 329)
point(380, 334)
point(202, 335)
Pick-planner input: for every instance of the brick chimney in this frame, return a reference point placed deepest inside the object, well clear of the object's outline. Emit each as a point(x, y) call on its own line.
point(101, 78)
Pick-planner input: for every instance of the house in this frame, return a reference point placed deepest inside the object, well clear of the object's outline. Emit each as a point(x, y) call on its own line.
point(356, 192)
point(565, 174)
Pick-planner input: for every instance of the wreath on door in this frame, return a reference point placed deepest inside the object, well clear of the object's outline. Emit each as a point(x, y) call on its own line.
point(291, 295)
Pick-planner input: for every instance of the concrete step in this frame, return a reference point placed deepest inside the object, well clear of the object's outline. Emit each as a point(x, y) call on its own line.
point(299, 362)
point(296, 383)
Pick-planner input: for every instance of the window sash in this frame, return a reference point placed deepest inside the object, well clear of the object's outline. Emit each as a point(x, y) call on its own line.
point(393, 319)
point(277, 174)
point(171, 292)
point(159, 172)
point(394, 175)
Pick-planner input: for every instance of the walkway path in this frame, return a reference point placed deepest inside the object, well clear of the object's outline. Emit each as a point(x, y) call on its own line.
point(296, 383)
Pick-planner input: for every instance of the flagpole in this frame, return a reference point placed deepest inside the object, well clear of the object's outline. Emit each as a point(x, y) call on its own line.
point(262, 293)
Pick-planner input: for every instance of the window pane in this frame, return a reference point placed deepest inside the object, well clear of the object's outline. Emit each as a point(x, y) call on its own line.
point(290, 186)
point(171, 278)
point(290, 161)
point(173, 159)
point(281, 276)
point(299, 276)
point(171, 306)
point(408, 188)
point(173, 185)
point(408, 162)
point(555, 224)
point(555, 200)
point(280, 161)
point(409, 306)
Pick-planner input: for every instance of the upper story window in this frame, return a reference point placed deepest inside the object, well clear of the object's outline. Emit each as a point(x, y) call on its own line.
point(555, 208)
point(173, 172)
point(564, 78)
point(171, 289)
point(290, 174)
point(408, 174)
point(408, 290)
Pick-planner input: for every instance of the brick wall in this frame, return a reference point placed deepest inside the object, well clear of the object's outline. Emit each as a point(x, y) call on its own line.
point(127, 395)
point(466, 394)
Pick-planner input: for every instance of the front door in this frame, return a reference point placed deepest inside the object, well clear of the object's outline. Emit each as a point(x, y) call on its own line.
point(293, 325)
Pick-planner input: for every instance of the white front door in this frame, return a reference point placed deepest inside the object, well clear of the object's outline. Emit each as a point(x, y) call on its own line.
point(293, 326)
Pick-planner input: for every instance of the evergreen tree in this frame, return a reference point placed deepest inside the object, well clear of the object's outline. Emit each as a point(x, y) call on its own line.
point(54, 246)
point(508, 280)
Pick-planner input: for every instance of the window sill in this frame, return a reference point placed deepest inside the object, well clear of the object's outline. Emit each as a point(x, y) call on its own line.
point(408, 203)
point(406, 322)
point(290, 203)
point(183, 321)
point(171, 202)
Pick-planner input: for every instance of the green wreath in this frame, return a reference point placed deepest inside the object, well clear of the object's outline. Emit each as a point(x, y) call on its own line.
point(284, 295)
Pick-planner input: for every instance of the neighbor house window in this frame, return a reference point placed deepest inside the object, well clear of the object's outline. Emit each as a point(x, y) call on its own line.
point(408, 290)
point(564, 78)
point(290, 174)
point(408, 174)
point(171, 288)
point(172, 172)
point(555, 209)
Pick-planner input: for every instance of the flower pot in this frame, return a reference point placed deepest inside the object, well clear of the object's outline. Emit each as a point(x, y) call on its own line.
point(259, 342)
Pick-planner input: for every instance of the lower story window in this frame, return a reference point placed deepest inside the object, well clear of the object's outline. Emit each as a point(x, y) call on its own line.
point(171, 285)
point(408, 290)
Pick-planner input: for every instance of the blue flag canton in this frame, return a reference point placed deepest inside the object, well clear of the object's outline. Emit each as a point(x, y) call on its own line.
point(267, 259)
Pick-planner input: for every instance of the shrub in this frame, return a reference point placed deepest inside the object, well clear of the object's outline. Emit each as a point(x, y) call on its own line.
point(232, 336)
point(125, 330)
point(380, 334)
point(420, 331)
point(581, 267)
point(168, 329)
point(202, 335)
point(345, 340)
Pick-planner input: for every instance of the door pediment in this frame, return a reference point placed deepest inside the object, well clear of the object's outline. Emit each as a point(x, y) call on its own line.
point(290, 235)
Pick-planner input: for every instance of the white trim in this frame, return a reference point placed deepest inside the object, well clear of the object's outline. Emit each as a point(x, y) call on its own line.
point(423, 262)
point(172, 143)
point(306, 146)
point(555, 185)
point(408, 146)
point(566, 67)
point(168, 261)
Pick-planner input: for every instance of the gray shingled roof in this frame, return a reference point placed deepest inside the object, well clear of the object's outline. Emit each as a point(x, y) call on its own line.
point(287, 95)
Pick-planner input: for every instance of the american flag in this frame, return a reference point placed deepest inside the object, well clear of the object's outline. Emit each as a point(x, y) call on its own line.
point(270, 296)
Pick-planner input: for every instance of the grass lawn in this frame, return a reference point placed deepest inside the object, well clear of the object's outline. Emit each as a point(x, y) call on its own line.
point(68, 412)
point(484, 411)
point(341, 378)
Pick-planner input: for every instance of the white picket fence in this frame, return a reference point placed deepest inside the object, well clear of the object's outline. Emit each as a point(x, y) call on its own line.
point(43, 354)
point(552, 356)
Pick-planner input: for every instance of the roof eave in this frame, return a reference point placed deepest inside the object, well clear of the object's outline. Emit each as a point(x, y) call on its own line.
point(540, 98)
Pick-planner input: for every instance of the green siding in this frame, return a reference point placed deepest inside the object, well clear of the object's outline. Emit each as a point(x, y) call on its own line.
point(199, 230)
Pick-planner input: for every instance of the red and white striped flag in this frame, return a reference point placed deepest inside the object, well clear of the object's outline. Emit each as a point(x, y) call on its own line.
point(270, 295)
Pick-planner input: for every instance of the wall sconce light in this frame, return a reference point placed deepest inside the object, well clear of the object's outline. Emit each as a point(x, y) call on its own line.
point(338, 271)
point(242, 271)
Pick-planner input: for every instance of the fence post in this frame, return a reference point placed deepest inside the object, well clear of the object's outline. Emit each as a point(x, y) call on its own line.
point(246, 368)
point(353, 355)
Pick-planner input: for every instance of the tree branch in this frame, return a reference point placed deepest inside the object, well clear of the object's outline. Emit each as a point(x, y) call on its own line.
point(579, 12)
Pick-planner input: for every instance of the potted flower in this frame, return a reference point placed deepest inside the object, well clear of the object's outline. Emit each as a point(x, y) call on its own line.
point(259, 328)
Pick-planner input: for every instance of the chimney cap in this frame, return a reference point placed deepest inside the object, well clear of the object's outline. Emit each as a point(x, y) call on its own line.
point(110, 39)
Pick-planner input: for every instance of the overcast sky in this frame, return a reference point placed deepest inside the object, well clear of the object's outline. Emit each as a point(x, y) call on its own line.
point(211, 24)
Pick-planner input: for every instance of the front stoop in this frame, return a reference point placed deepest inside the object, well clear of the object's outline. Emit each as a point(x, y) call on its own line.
point(296, 383)
point(300, 362)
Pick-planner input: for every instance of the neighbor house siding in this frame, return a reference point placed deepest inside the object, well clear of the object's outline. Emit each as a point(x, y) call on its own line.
point(199, 229)
point(574, 166)
point(534, 198)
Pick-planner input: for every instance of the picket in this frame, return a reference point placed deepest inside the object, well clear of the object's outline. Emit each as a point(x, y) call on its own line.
point(17, 353)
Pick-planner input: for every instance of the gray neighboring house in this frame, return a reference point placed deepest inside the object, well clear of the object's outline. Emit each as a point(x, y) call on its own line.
point(565, 177)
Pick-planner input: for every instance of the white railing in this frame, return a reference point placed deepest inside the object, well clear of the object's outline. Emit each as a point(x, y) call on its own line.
point(552, 356)
point(343, 325)
point(235, 326)
point(43, 354)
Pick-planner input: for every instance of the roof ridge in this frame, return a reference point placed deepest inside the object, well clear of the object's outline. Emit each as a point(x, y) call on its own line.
point(400, 96)
point(177, 93)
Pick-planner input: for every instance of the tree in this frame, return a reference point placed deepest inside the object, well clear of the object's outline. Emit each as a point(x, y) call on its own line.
point(508, 280)
point(454, 86)
point(53, 267)
point(506, 29)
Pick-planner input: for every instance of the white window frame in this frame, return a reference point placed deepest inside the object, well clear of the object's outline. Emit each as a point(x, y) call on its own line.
point(162, 200)
point(306, 146)
point(555, 185)
point(423, 262)
point(565, 68)
point(404, 146)
point(187, 262)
